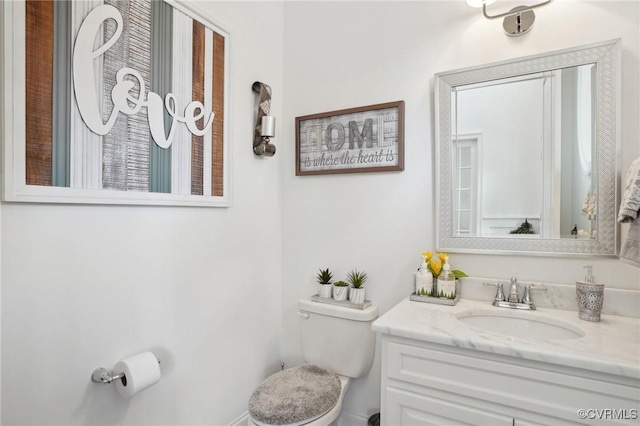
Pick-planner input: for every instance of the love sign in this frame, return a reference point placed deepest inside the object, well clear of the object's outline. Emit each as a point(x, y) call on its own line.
point(86, 95)
point(115, 102)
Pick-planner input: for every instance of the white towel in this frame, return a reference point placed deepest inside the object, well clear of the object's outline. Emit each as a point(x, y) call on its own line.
point(585, 205)
point(630, 204)
point(630, 252)
point(593, 205)
point(590, 205)
point(629, 209)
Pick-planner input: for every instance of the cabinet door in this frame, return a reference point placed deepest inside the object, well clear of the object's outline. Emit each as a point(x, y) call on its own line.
point(412, 409)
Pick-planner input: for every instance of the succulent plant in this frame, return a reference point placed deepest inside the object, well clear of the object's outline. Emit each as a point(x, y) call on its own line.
point(324, 276)
point(356, 278)
point(341, 284)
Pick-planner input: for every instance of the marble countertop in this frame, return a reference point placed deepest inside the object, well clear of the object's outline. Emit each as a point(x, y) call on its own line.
point(609, 346)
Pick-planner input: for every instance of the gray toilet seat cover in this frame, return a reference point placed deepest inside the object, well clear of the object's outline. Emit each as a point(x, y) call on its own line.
point(295, 395)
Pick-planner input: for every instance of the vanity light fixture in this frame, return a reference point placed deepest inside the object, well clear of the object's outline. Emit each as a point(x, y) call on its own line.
point(517, 21)
point(265, 127)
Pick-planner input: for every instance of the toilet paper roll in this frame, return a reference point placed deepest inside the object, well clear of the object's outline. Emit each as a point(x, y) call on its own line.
point(140, 372)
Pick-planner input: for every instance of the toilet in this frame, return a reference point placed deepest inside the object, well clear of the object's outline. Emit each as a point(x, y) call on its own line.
point(337, 347)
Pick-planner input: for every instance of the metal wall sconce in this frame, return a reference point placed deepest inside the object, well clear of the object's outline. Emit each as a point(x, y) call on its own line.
point(517, 21)
point(265, 127)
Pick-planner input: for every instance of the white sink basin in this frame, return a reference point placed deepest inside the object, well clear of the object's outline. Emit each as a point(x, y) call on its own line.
point(526, 325)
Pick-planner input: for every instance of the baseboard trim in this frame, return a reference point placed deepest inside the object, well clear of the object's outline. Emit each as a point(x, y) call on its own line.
point(243, 420)
point(348, 418)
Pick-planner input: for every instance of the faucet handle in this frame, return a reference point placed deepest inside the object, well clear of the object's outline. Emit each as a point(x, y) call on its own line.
point(526, 298)
point(537, 287)
point(499, 292)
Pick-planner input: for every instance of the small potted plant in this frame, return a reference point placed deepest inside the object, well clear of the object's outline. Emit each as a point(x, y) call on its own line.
point(340, 290)
point(356, 280)
point(324, 280)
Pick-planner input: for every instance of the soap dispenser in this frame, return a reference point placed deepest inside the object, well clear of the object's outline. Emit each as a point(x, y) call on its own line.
point(446, 281)
point(424, 280)
point(589, 296)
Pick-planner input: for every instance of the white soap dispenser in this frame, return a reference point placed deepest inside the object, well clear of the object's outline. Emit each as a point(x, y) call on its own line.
point(446, 281)
point(589, 297)
point(424, 280)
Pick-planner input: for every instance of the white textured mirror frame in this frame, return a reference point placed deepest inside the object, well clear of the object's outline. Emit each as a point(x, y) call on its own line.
point(607, 57)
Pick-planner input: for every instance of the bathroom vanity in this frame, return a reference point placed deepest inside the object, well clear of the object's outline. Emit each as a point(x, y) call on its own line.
point(474, 363)
point(478, 364)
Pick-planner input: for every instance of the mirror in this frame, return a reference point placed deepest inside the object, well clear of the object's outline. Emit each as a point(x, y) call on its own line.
point(525, 154)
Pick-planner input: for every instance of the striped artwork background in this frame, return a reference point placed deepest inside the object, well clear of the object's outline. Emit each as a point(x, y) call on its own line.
point(197, 94)
point(173, 52)
point(125, 166)
point(39, 96)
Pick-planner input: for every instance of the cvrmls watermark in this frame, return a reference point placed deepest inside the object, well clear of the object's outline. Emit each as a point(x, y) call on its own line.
point(607, 414)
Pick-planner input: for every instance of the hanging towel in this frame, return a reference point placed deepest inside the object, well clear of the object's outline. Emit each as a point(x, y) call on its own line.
point(630, 252)
point(585, 205)
point(593, 206)
point(630, 204)
point(629, 210)
point(590, 205)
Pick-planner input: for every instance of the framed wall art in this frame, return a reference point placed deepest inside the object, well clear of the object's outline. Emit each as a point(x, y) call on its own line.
point(114, 102)
point(356, 140)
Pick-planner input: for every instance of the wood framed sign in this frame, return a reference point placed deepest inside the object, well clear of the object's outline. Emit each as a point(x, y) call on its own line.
point(355, 140)
point(114, 102)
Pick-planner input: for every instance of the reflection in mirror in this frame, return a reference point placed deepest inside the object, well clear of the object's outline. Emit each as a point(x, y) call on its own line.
point(522, 149)
point(526, 154)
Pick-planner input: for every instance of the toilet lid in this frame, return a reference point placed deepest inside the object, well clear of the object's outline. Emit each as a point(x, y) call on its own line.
point(295, 395)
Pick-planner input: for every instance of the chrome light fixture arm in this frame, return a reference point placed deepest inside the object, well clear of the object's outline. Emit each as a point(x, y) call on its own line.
point(518, 21)
point(513, 11)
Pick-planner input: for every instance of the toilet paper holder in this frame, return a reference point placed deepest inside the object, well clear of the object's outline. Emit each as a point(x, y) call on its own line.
point(104, 376)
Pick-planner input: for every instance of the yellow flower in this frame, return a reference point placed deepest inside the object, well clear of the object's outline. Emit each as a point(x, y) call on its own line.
point(435, 267)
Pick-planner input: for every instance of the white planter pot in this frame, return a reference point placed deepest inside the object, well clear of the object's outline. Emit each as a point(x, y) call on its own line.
point(340, 293)
point(324, 290)
point(356, 295)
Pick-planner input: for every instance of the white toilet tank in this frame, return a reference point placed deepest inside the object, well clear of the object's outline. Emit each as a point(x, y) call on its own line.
point(338, 338)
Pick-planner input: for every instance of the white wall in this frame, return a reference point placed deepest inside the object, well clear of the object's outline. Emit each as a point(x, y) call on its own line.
point(208, 289)
point(509, 147)
point(348, 54)
point(85, 286)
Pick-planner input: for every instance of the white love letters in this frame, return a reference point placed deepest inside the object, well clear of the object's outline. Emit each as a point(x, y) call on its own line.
point(123, 100)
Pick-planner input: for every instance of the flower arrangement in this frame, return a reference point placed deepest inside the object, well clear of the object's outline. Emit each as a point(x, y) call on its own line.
point(434, 265)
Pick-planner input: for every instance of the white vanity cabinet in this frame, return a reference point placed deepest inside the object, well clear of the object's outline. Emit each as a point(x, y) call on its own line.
point(428, 384)
point(437, 371)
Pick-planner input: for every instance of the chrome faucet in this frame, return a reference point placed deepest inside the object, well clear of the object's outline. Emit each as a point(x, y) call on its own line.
point(513, 301)
point(513, 293)
point(499, 293)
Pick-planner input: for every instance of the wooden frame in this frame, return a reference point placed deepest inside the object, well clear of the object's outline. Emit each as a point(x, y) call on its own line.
point(355, 140)
point(91, 160)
